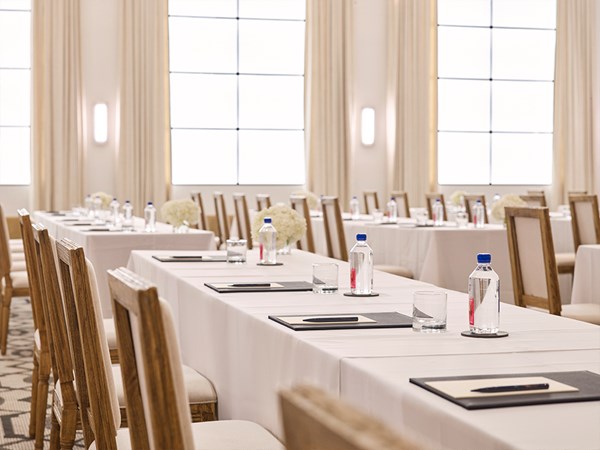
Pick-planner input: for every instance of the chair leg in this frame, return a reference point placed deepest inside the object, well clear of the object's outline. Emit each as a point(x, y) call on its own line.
point(6, 299)
point(34, 394)
point(68, 428)
point(42, 404)
point(55, 434)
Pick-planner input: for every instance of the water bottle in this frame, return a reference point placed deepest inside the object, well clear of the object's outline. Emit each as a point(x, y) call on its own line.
point(267, 238)
point(97, 208)
point(437, 211)
point(361, 266)
point(115, 218)
point(495, 198)
point(127, 216)
point(354, 208)
point(392, 210)
point(484, 297)
point(150, 218)
point(88, 204)
point(478, 214)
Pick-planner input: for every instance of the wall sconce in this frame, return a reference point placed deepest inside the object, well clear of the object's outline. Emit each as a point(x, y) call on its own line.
point(367, 126)
point(100, 123)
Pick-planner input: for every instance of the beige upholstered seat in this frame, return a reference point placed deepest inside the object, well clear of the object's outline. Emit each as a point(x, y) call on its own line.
point(371, 201)
point(401, 199)
point(300, 205)
point(430, 199)
point(533, 265)
point(242, 216)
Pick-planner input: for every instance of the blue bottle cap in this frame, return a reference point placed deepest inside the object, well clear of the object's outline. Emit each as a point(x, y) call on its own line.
point(267, 220)
point(361, 237)
point(484, 258)
point(149, 203)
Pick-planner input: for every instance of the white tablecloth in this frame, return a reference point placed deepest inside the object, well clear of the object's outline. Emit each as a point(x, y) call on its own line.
point(107, 250)
point(229, 338)
point(586, 280)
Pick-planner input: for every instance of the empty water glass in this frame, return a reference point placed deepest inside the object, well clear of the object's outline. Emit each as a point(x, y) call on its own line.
point(236, 251)
point(325, 278)
point(429, 311)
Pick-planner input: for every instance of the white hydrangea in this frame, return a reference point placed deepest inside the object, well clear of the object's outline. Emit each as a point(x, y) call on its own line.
point(290, 225)
point(458, 198)
point(106, 198)
point(311, 199)
point(506, 200)
point(180, 212)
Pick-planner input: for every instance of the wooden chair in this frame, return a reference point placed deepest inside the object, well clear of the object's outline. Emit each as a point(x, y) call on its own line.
point(531, 248)
point(371, 201)
point(153, 379)
point(313, 419)
point(263, 201)
point(222, 219)
point(13, 282)
point(42, 363)
point(300, 204)
point(242, 216)
point(197, 198)
point(470, 201)
point(334, 228)
point(401, 199)
point(430, 199)
point(538, 199)
point(585, 219)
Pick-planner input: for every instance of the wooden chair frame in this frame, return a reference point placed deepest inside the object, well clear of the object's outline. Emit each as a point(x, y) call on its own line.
point(573, 200)
point(334, 224)
point(243, 217)
point(370, 197)
point(222, 219)
point(430, 198)
point(299, 203)
point(263, 201)
point(197, 198)
point(473, 198)
point(535, 198)
point(404, 196)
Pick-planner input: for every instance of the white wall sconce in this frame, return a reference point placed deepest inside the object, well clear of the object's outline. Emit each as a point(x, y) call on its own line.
point(100, 123)
point(367, 126)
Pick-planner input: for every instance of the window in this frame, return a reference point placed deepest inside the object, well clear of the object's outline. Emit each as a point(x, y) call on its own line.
point(495, 91)
point(15, 91)
point(237, 91)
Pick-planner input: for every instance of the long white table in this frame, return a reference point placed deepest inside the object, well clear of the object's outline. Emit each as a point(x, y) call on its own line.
point(229, 338)
point(110, 249)
point(586, 280)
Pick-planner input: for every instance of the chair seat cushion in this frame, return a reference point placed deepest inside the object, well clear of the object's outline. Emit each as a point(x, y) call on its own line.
point(111, 334)
point(19, 280)
point(17, 257)
point(564, 260)
point(16, 245)
point(395, 270)
point(18, 266)
point(587, 312)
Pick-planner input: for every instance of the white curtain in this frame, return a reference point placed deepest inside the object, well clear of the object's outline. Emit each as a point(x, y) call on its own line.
point(328, 96)
point(143, 168)
point(57, 125)
point(576, 99)
point(412, 97)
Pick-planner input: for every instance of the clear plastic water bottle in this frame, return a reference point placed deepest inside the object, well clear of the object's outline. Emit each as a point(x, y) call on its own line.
point(88, 204)
point(150, 218)
point(478, 214)
point(437, 211)
point(484, 297)
point(361, 266)
point(267, 238)
point(115, 217)
point(354, 208)
point(97, 208)
point(127, 216)
point(392, 210)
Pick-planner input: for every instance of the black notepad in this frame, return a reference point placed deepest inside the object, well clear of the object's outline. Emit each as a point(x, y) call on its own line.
point(380, 320)
point(587, 383)
point(191, 258)
point(248, 286)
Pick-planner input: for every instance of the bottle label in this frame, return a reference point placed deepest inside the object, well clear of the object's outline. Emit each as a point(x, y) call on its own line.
point(471, 311)
point(262, 247)
point(353, 278)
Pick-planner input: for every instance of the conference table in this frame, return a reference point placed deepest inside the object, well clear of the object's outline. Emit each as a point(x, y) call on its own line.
point(109, 249)
point(586, 279)
point(229, 338)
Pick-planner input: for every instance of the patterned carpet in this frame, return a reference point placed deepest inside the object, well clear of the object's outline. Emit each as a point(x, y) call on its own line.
point(15, 381)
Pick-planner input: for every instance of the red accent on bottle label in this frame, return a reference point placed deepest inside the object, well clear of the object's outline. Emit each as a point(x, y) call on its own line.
point(353, 278)
point(261, 251)
point(471, 311)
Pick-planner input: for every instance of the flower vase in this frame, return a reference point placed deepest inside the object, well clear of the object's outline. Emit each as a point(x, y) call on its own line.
point(286, 249)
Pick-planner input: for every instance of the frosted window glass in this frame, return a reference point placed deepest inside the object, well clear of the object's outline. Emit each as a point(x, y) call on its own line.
point(521, 158)
point(271, 102)
point(15, 97)
point(269, 46)
point(202, 45)
point(523, 54)
point(15, 39)
point(206, 8)
point(204, 156)
point(463, 158)
point(271, 157)
point(14, 156)
point(522, 106)
point(463, 52)
point(524, 13)
point(24, 5)
point(203, 101)
point(273, 9)
point(464, 12)
point(463, 105)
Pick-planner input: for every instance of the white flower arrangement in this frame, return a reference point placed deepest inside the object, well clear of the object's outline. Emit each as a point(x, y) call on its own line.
point(506, 200)
point(180, 212)
point(311, 199)
point(458, 198)
point(104, 197)
point(290, 225)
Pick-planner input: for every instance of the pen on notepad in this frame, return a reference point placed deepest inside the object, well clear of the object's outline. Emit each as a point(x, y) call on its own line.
point(331, 319)
point(250, 284)
point(513, 388)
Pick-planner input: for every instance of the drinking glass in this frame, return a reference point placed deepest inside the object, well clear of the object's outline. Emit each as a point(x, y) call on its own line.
point(429, 311)
point(325, 278)
point(236, 251)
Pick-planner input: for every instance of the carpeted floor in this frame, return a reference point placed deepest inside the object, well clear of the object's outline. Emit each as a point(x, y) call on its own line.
point(15, 382)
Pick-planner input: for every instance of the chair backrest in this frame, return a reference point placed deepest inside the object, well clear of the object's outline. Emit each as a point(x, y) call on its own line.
point(197, 198)
point(334, 228)
point(430, 199)
point(401, 199)
point(151, 358)
point(585, 219)
point(313, 419)
point(535, 200)
point(531, 248)
point(5, 257)
point(263, 201)
point(243, 218)
point(222, 219)
point(470, 201)
point(82, 306)
point(300, 204)
point(371, 201)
